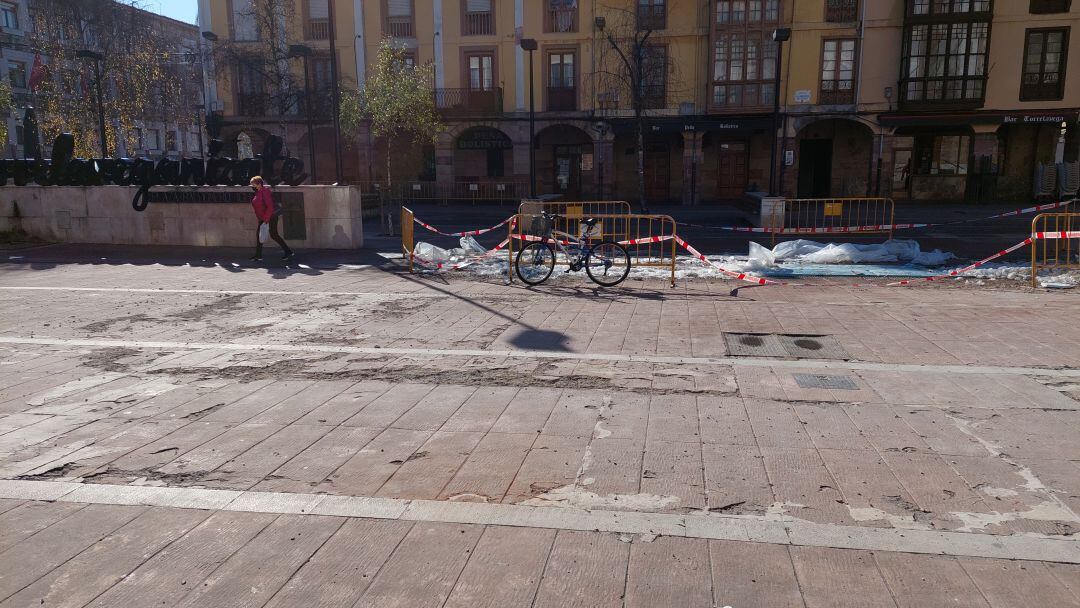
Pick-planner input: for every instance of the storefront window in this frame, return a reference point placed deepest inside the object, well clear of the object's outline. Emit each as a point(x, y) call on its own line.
point(942, 154)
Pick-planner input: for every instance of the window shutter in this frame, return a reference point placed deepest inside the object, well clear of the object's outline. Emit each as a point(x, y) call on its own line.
point(399, 8)
point(477, 6)
point(318, 9)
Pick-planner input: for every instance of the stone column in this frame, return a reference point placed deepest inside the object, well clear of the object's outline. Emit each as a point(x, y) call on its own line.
point(691, 166)
point(444, 161)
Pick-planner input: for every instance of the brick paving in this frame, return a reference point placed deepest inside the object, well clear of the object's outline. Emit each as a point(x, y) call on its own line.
point(560, 446)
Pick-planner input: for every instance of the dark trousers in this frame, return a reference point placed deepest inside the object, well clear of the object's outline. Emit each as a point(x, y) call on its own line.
point(274, 235)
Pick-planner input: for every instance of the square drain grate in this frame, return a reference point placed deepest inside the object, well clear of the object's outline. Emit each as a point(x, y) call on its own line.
point(820, 381)
point(813, 347)
point(754, 345)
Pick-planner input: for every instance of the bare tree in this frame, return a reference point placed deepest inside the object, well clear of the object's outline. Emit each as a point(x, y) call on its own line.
point(633, 72)
point(137, 81)
point(256, 58)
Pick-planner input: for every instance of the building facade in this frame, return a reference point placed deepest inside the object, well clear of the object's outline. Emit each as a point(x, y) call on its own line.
point(154, 136)
point(913, 99)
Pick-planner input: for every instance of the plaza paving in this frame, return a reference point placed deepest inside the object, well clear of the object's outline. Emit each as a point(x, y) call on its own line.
point(211, 434)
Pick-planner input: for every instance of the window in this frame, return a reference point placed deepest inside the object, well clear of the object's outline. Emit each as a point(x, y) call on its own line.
point(841, 11)
point(654, 77)
point(249, 91)
point(652, 14)
point(747, 11)
point(561, 16)
point(945, 62)
point(1044, 64)
point(481, 72)
point(17, 74)
point(562, 91)
point(744, 69)
point(318, 20)
point(1042, 7)
point(170, 141)
point(244, 26)
point(838, 71)
point(477, 18)
point(153, 139)
point(137, 138)
point(942, 154)
point(399, 18)
point(947, 7)
point(9, 15)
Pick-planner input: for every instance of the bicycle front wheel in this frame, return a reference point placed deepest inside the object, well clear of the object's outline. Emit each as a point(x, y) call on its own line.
point(535, 262)
point(608, 264)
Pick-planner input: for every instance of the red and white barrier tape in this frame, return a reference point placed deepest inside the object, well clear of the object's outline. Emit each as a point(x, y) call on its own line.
point(1045, 207)
point(648, 239)
point(442, 266)
point(742, 276)
point(960, 271)
point(464, 233)
point(1057, 235)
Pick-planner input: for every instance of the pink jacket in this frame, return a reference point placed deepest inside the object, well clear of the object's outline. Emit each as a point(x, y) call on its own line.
point(263, 203)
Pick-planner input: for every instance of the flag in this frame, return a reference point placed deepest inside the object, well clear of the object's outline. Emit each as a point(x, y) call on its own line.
point(37, 73)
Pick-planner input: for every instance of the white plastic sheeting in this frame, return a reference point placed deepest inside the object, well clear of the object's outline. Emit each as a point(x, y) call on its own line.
point(813, 252)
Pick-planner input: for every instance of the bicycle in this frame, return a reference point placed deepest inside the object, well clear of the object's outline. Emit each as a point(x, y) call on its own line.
point(607, 263)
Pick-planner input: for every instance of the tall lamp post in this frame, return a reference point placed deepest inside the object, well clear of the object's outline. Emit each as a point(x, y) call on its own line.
point(97, 59)
point(780, 36)
point(529, 44)
point(334, 99)
point(303, 51)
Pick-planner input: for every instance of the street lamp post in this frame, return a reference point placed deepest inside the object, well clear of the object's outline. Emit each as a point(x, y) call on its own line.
point(97, 59)
point(304, 51)
point(529, 44)
point(779, 36)
point(334, 99)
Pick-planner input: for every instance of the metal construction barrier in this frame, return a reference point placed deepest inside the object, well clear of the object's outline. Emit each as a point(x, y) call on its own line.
point(576, 209)
point(407, 240)
point(1055, 242)
point(467, 190)
point(804, 216)
point(649, 239)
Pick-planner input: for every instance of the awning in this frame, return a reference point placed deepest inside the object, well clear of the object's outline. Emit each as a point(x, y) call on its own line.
point(988, 117)
point(668, 125)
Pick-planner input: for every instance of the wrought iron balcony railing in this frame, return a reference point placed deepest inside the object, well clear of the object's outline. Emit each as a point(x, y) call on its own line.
point(469, 102)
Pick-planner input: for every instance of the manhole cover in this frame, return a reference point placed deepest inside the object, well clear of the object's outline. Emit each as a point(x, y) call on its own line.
point(812, 347)
point(820, 381)
point(754, 345)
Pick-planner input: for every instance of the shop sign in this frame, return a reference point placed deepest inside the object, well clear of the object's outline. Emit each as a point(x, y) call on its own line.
point(586, 162)
point(484, 139)
point(802, 96)
point(1036, 119)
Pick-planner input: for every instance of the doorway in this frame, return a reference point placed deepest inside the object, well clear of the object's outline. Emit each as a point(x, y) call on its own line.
point(657, 172)
point(568, 171)
point(815, 168)
point(731, 177)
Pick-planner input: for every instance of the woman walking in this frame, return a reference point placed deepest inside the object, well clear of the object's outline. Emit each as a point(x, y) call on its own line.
point(267, 212)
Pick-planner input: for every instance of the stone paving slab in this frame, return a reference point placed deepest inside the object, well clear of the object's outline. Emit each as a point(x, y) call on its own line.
point(488, 444)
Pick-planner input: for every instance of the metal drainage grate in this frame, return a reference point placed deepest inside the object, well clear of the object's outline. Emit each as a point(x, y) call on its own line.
point(813, 347)
point(820, 381)
point(754, 345)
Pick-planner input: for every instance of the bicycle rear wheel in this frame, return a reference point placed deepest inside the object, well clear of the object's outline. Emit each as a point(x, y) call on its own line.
point(535, 262)
point(607, 264)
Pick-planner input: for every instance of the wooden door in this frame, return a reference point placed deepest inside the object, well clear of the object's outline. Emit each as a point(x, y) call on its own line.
point(731, 178)
point(657, 172)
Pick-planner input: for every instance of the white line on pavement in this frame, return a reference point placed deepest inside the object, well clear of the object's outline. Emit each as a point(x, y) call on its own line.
point(226, 292)
point(536, 354)
point(763, 529)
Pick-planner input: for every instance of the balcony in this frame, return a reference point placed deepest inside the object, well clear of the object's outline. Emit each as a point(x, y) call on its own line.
point(478, 24)
point(651, 17)
point(400, 27)
point(836, 92)
point(562, 99)
point(841, 11)
point(467, 102)
point(561, 20)
point(317, 29)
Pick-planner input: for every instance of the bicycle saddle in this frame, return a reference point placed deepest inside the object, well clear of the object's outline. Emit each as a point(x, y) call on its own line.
point(590, 222)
